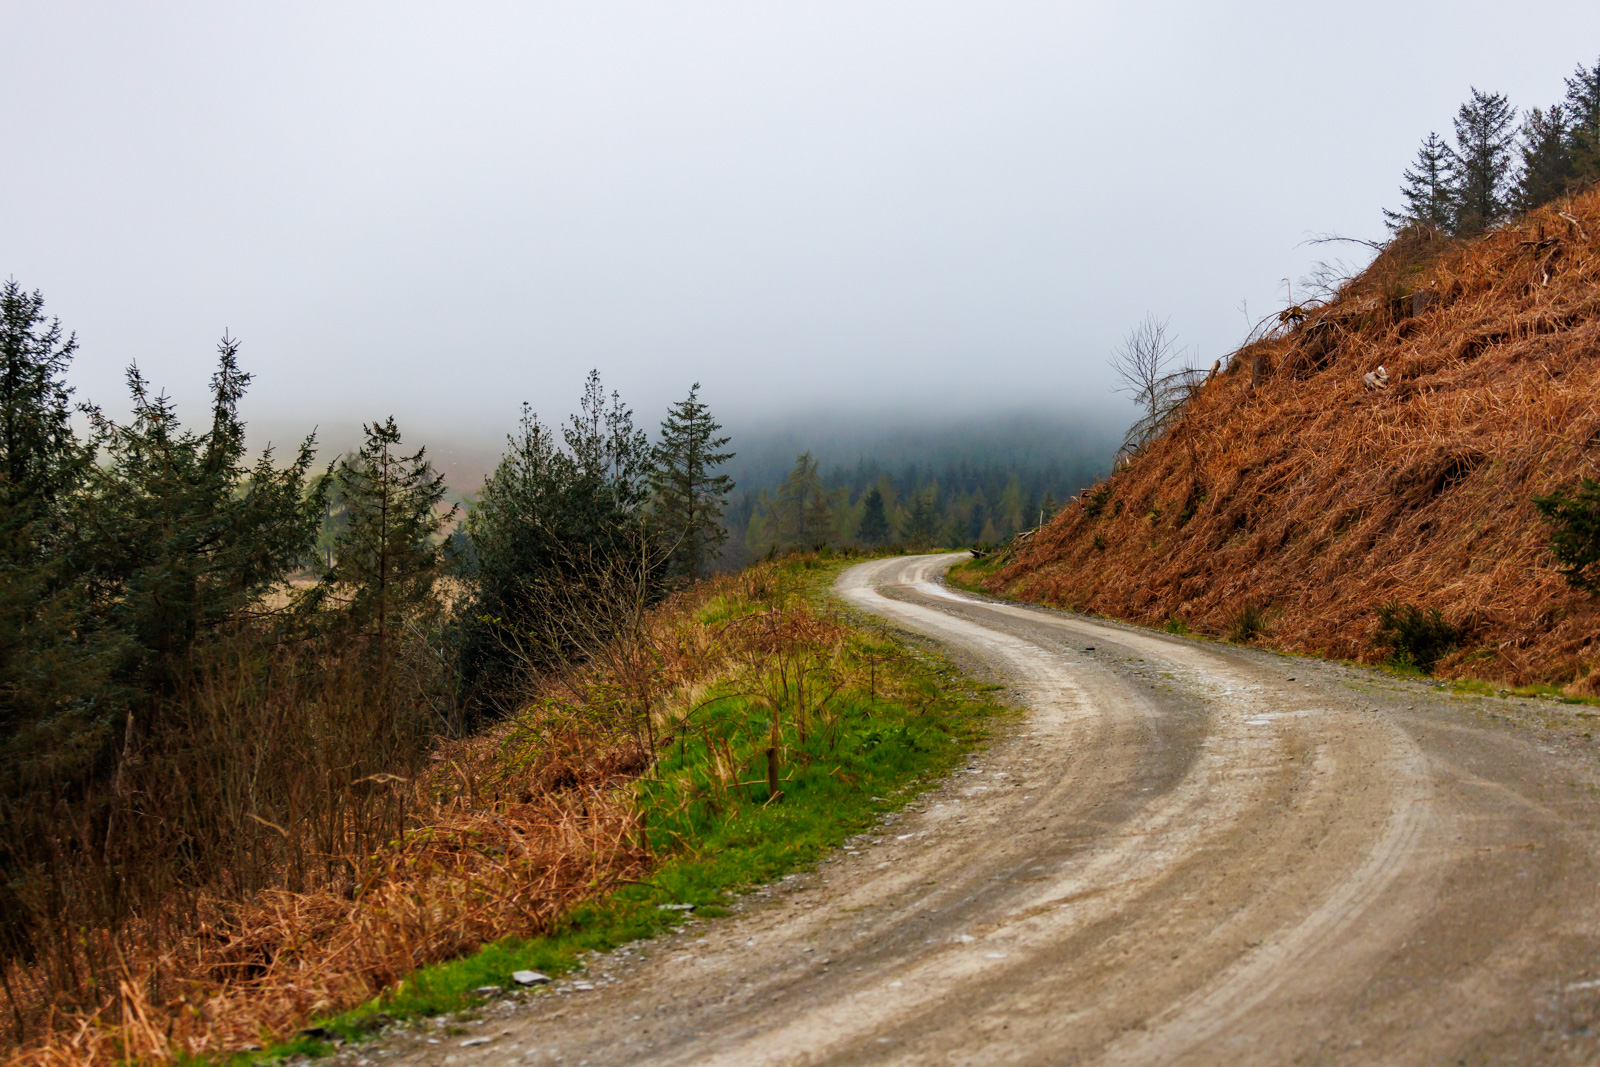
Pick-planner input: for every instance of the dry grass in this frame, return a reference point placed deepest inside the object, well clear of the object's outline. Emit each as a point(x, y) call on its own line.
point(1322, 499)
point(472, 869)
point(502, 835)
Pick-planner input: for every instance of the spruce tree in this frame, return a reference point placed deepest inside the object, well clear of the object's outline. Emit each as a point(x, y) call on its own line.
point(175, 534)
point(39, 454)
point(802, 514)
point(551, 519)
point(55, 720)
point(689, 499)
point(977, 517)
point(1426, 190)
point(611, 457)
point(387, 558)
point(874, 520)
point(1583, 118)
point(1546, 152)
point(922, 528)
point(1485, 129)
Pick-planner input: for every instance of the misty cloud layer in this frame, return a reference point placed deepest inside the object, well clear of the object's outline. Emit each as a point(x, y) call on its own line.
point(442, 211)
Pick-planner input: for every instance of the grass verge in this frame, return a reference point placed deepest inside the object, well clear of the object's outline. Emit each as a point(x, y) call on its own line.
point(845, 719)
point(970, 574)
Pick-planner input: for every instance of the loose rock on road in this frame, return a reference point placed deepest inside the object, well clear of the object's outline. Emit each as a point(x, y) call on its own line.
point(1185, 852)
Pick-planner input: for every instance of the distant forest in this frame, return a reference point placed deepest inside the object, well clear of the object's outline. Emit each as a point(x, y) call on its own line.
point(939, 481)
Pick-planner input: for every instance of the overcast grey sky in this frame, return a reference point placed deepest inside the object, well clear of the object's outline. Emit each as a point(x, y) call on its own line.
point(442, 210)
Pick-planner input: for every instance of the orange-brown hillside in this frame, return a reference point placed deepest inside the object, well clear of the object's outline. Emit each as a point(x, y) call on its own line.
point(1320, 498)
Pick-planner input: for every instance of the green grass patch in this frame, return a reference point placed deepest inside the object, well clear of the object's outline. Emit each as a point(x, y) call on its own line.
point(970, 574)
point(1533, 692)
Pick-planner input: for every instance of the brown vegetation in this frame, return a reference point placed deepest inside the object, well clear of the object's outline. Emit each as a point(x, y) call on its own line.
point(364, 876)
point(382, 875)
point(1290, 484)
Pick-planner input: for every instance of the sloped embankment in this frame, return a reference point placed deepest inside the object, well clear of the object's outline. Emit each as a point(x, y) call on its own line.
point(1291, 484)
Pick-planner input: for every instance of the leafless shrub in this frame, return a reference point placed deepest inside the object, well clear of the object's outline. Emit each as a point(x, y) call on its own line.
point(1144, 365)
point(601, 615)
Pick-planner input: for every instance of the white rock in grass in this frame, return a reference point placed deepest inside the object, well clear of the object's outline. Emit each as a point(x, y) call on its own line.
point(530, 978)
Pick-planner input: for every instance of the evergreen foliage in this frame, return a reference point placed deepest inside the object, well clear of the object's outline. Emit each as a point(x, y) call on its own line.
point(1576, 541)
point(1485, 128)
point(689, 499)
point(874, 529)
point(1415, 638)
point(170, 730)
point(39, 454)
point(551, 518)
point(56, 717)
point(1583, 117)
point(118, 581)
point(1547, 161)
point(388, 556)
point(970, 503)
point(923, 526)
point(1427, 190)
point(802, 513)
point(1497, 165)
point(174, 534)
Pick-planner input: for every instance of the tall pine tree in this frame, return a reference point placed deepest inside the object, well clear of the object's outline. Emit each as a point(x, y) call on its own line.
point(1485, 129)
point(689, 499)
point(1583, 117)
point(1426, 190)
point(56, 721)
point(922, 526)
point(175, 534)
point(387, 558)
point(802, 515)
point(1546, 151)
point(874, 519)
point(551, 518)
point(39, 454)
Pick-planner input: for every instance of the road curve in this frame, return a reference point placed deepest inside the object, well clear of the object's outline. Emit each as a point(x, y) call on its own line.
point(1185, 852)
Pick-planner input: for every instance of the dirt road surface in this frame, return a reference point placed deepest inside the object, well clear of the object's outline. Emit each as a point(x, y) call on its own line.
point(1183, 852)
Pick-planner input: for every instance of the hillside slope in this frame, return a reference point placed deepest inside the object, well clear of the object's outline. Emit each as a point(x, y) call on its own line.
point(1320, 498)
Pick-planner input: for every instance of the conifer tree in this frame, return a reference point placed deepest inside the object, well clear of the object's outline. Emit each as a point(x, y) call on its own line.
point(802, 515)
point(39, 454)
point(1583, 118)
point(689, 499)
point(1546, 152)
point(977, 517)
point(874, 520)
point(1485, 128)
point(387, 558)
point(52, 726)
point(611, 458)
point(1426, 189)
point(551, 519)
point(175, 534)
point(922, 528)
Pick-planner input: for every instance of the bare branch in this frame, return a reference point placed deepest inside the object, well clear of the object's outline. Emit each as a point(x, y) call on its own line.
point(1143, 363)
point(1334, 238)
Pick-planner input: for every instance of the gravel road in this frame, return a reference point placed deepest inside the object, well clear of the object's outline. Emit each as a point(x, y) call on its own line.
point(1183, 852)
